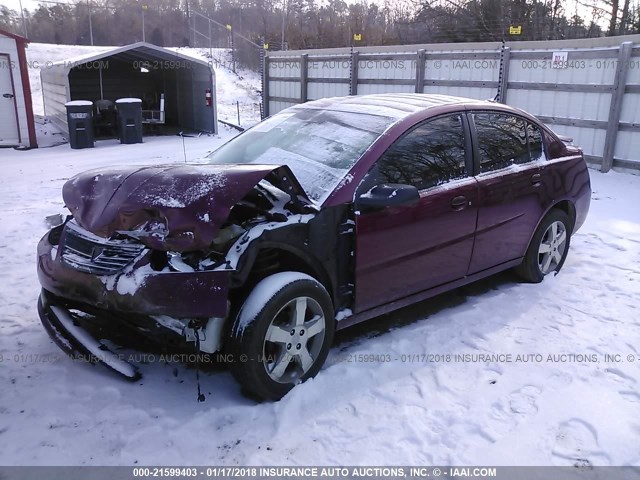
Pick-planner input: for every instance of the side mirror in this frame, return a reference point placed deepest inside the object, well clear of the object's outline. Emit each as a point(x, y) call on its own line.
point(389, 195)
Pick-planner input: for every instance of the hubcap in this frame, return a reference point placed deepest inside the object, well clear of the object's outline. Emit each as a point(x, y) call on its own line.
point(293, 340)
point(552, 247)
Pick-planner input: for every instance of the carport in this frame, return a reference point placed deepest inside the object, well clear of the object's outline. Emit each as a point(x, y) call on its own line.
point(174, 88)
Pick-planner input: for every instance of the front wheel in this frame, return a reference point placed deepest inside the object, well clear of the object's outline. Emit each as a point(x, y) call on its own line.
point(548, 249)
point(282, 334)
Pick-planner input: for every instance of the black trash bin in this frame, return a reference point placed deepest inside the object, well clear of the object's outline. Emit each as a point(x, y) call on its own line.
point(80, 122)
point(129, 120)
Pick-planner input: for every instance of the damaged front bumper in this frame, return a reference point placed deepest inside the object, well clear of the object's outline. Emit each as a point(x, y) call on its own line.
point(139, 289)
point(77, 342)
point(180, 306)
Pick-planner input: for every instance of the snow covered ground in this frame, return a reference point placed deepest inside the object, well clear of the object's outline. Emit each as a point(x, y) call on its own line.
point(574, 410)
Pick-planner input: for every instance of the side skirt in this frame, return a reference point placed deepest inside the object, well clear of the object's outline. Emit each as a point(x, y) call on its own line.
point(418, 297)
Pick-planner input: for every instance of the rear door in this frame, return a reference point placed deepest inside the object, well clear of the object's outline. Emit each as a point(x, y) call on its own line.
point(511, 186)
point(406, 249)
point(8, 120)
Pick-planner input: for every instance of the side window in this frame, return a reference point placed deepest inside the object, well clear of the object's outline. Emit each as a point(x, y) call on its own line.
point(502, 140)
point(429, 155)
point(534, 134)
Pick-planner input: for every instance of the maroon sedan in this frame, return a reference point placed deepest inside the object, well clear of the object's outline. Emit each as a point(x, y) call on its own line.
point(322, 216)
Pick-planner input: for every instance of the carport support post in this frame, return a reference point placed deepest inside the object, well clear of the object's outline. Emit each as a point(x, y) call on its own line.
point(615, 107)
point(101, 86)
point(503, 84)
point(353, 86)
point(420, 70)
point(304, 75)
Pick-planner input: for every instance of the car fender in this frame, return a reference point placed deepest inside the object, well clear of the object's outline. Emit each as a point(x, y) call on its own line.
point(300, 256)
point(313, 240)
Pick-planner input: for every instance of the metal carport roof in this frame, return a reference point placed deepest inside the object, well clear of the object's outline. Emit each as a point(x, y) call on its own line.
point(148, 49)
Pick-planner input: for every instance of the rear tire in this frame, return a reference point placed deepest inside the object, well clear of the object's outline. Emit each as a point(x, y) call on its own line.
point(548, 248)
point(282, 334)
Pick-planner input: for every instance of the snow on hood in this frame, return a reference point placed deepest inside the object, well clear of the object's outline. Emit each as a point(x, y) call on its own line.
point(168, 207)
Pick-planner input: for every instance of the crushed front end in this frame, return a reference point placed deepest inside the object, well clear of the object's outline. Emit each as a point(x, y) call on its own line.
point(151, 290)
point(147, 249)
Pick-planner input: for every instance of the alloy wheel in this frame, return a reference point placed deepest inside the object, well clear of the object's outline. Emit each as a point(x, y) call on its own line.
point(293, 340)
point(552, 247)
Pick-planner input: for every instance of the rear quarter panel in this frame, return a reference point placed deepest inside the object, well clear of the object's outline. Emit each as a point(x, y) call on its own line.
point(569, 177)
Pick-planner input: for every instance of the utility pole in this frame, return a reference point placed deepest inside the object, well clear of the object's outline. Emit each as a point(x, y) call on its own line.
point(233, 50)
point(24, 23)
point(284, 6)
point(90, 24)
point(144, 7)
point(210, 47)
point(189, 25)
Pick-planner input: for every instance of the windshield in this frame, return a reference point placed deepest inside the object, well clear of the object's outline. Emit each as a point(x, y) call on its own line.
point(319, 146)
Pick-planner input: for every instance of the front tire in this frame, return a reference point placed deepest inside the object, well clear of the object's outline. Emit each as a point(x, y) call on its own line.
point(548, 248)
point(282, 334)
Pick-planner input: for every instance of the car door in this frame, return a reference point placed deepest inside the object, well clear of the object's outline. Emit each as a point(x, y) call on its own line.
point(401, 250)
point(511, 186)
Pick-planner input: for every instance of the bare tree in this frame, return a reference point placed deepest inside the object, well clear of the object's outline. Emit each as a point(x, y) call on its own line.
point(614, 17)
point(625, 18)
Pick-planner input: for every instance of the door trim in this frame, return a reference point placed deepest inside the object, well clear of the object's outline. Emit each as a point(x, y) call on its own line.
point(15, 98)
point(473, 134)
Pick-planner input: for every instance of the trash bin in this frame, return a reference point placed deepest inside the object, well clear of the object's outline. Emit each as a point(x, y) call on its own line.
point(80, 122)
point(129, 120)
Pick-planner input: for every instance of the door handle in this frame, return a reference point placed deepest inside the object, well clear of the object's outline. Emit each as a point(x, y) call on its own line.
point(536, 179)
point(7, 95)
point(459, 203)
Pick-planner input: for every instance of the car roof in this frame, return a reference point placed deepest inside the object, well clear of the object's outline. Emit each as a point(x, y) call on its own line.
point(393, 105)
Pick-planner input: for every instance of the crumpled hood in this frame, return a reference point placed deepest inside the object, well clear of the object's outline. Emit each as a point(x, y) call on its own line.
point(179, 207)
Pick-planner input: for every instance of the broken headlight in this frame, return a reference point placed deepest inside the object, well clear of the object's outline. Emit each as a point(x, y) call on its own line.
point(192, 261)
point(199, 261)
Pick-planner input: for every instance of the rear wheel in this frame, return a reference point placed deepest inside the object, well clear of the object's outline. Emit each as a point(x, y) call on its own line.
point(282, 334)
point(548, 249)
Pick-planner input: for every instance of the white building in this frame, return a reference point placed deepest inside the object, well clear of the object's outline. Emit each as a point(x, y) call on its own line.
point(17, 127)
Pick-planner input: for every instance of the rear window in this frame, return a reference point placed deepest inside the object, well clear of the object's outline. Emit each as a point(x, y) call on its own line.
point(502, 140)
point(320, 146)
point(505, 140)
